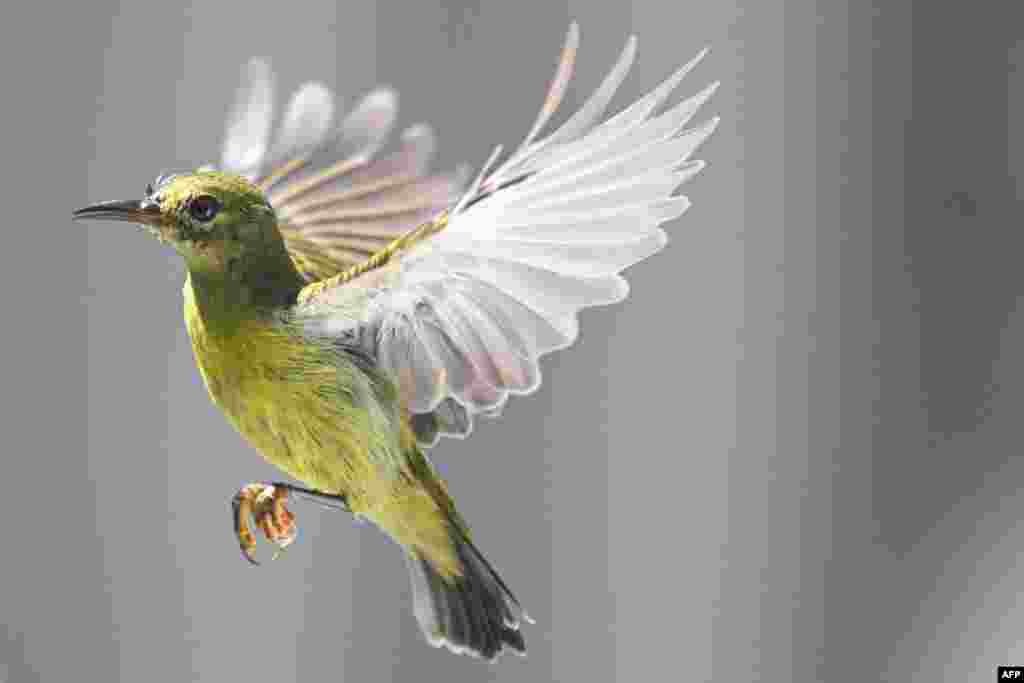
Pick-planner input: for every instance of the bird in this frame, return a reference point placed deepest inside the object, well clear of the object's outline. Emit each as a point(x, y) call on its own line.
point(348, 307)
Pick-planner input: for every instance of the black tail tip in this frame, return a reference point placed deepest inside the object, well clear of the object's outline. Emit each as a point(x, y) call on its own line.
point(474, 615)
point(480, 646)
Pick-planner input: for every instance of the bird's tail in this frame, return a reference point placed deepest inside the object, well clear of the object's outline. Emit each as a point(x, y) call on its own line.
point(475, 613)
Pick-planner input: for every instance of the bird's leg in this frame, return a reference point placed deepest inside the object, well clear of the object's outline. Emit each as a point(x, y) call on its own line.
point(264, 504)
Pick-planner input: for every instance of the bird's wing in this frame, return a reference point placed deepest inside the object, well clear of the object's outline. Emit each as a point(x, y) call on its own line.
point(340, 196)
point(461, 309)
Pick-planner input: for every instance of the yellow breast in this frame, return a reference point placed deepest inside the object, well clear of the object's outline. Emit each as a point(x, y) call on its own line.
point(285, 396)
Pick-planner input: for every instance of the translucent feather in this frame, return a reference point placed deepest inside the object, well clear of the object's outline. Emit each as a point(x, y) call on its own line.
point(306, 121)
point(338, 199)
point(248, 127)
point(462, 317)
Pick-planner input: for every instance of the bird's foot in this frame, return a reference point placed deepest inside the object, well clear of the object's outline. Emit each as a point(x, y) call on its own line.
point(264, 505)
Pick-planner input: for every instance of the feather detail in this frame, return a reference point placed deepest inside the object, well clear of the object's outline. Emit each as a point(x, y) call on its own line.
point(460, 309)
point(337, 199)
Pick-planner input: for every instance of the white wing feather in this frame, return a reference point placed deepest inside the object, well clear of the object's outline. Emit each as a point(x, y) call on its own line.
point(305, 129)
point(462, 318)
point(248, 128)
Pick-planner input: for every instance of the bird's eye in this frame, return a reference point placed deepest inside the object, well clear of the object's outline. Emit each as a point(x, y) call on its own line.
point(204, 208)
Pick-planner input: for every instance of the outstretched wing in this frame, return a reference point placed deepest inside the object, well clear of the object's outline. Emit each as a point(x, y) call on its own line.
point(338, 201)
point(461, 310)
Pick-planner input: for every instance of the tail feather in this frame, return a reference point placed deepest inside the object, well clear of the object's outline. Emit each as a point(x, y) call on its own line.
point(474, 614)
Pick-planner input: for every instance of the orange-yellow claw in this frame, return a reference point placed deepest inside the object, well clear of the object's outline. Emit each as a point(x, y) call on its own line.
point(241, 513)
point(264, 505)
point(276, 521)
point(284, 520)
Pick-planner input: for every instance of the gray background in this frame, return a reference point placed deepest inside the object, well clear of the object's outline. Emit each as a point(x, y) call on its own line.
point(792, 455)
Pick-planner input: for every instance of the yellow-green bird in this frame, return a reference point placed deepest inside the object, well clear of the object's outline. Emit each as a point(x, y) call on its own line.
point(347, 307)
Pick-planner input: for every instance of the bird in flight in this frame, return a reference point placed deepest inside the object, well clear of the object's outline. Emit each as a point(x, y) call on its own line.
point(348, 307)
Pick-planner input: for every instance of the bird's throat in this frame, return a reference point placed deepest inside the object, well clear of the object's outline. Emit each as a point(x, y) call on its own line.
point(228, 289)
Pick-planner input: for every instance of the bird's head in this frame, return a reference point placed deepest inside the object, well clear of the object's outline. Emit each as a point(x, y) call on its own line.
point(210, 218)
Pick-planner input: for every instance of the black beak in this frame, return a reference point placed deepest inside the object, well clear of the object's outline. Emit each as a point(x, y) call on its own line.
point(133, 211)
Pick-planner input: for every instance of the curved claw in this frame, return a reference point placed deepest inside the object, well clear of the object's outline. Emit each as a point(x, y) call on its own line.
point(264, 505)
point(241, 513)
point(276, 520)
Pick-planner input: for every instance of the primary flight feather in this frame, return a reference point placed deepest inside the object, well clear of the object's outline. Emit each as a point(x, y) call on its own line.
point(348, 307)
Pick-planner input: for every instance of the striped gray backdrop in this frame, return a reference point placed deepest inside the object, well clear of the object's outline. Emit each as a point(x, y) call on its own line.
point(792, 455)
